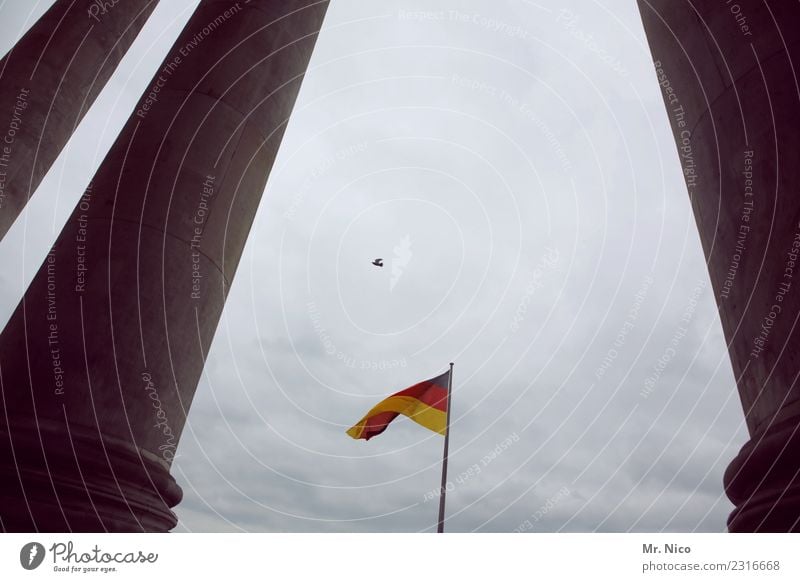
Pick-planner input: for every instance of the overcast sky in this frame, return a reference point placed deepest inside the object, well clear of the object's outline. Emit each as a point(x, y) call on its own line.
point(512, 163)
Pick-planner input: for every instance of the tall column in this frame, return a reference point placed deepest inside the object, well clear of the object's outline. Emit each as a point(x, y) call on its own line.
point(49, 80)
point(101, 359)
point(733, 99)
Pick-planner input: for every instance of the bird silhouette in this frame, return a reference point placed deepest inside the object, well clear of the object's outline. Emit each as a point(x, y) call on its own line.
point(378, 262)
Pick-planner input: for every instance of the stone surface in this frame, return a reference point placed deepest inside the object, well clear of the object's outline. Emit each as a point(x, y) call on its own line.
point(111, 336)
point(734, 111)
point(49, 80)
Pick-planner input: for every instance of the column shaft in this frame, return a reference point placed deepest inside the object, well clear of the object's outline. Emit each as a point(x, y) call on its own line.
point(49, 80)
point(733, 100)
point(108, 344)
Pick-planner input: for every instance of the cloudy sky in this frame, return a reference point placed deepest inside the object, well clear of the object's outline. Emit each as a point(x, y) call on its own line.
point(512, 163)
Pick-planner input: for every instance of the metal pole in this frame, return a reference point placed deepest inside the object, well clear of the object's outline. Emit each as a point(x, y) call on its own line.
point(443, 489)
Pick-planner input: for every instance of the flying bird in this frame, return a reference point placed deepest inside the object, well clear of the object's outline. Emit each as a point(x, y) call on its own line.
point(378, 262)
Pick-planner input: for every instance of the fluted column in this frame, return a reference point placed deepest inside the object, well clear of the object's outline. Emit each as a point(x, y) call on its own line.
point(733, 100)
point(101, 359)
point(48, 81)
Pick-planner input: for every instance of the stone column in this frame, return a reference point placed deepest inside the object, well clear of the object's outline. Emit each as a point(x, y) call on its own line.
point(733, 100)
point(101, 359)
point(48, 81)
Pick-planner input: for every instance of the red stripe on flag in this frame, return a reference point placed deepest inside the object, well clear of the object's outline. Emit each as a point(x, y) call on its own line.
point(431, 392)
point(377, 424)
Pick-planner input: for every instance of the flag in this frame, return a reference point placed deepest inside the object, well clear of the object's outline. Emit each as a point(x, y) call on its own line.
point(424, 403)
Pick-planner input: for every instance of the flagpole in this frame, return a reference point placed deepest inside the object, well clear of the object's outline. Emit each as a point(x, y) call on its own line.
point(443, 488)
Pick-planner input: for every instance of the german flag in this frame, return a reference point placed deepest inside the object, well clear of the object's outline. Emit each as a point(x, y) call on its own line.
point(424, 403)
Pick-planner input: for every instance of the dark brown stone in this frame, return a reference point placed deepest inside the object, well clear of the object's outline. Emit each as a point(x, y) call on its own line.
point(174, 198)
point(730, 67)
point(49, 80)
